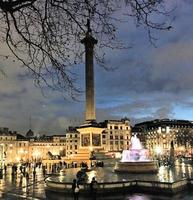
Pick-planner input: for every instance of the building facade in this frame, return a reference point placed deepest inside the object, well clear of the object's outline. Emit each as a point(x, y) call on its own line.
point(16, 148)
point(159, 134)
point(156, 135)
point(72, 141)
point(117, 135)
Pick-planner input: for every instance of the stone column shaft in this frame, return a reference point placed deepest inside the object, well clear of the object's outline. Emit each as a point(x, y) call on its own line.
point(89, 43)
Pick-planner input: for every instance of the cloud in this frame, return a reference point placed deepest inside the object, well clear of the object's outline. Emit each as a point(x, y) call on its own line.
point(148, 83)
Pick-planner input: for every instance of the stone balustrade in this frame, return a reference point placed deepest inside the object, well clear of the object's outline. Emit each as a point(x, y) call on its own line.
point(168, 188)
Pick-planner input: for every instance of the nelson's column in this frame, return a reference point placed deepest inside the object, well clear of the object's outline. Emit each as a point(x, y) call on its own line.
point(90, 131)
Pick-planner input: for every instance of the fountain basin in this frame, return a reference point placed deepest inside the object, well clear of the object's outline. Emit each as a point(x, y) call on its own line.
point(150, 166)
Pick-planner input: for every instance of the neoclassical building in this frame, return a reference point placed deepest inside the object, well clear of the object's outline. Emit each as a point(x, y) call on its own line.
point(116, 135)
point(157, 135)
point(16, 148)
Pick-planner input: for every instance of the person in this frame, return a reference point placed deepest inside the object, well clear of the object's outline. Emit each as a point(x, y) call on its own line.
point(81, 176)
point(21, 169)
point(5, 168)
point(27, 177)
point(44, 171)
point(93, 188)
point(24, 171)
point(34, 173)
point(75, 189)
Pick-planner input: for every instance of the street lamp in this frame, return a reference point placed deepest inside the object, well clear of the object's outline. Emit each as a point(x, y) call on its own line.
point(36, 154)
point(2, 150)
point(158, 151)
point(2, 159)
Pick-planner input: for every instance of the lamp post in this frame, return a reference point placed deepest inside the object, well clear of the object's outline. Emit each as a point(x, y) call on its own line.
point(158, 151)
point(2, 160)
point(1, 154)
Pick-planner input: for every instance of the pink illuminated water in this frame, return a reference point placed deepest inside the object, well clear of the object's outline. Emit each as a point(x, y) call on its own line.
point(136, 152)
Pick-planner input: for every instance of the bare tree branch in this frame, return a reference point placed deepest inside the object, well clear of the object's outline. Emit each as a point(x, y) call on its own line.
point(44, 35)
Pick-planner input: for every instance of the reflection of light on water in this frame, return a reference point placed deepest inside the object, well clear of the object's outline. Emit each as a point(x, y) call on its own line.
point(183, 170)
point(165, 174)
point(171, 177)
point(107, 174)
point(24, 184)
point(178, 170)
point(138, 197)
point(62, 172)
point(161, 173)
point(189, 171)
point(61, 178)
point(91, 174)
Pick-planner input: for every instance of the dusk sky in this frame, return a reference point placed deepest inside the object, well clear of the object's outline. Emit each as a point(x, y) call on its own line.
point(148, 82)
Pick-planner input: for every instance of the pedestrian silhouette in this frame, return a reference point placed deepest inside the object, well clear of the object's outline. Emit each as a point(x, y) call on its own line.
point(93, 188)
point(34, 174)
point(75, 189)
point(27, 177)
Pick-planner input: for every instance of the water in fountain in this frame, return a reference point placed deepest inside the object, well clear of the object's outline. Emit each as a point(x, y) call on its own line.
point(136, 152)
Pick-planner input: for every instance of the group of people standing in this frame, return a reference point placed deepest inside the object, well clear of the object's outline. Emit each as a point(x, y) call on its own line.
point(93, 189)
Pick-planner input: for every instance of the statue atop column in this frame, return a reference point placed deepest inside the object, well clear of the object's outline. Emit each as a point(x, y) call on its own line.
point(89, 43)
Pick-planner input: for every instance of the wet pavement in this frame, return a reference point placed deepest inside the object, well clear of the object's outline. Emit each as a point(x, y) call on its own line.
point(107, 174)
point(138, 196)
point(18, 187)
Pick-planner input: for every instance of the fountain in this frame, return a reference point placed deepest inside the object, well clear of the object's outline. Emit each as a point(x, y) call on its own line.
point(133, 162)
point(136, 160)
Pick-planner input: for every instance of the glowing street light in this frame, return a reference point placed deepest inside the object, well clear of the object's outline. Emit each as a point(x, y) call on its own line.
point(158, 150)
point(36, 154)
point(17, 159)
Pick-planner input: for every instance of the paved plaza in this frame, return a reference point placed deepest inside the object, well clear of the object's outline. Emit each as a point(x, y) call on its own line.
point(107, 174)
point(18, 187)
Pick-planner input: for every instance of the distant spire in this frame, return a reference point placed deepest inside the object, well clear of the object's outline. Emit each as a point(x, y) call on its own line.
point(30, 133)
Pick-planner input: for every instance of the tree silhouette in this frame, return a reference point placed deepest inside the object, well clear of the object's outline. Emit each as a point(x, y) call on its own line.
point(45, 34)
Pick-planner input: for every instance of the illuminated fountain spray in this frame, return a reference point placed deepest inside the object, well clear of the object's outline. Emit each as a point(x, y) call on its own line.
point(136, 152)
point(136, 159)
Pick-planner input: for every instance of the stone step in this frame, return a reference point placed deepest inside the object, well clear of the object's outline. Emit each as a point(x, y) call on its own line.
point(102, 155)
